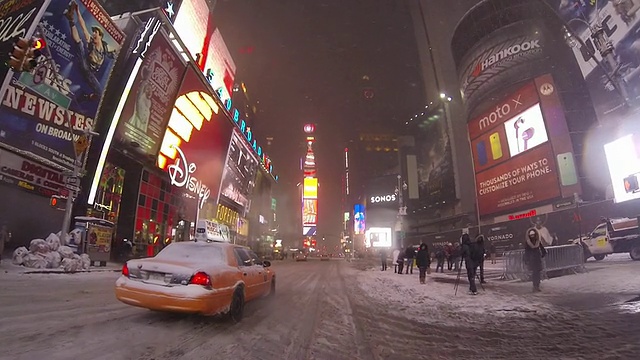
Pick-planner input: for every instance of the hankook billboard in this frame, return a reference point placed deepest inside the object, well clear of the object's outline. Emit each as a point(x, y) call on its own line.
point(522, 151)
point(503, 58)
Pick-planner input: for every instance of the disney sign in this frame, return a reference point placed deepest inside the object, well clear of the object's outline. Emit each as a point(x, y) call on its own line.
point(180, 174)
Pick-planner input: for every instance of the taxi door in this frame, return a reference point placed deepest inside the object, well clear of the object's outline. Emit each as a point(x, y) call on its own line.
point(262, 275)
point(249, 273)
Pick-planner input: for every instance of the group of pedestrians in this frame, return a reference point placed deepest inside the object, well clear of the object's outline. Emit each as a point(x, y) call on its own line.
point(471, 253)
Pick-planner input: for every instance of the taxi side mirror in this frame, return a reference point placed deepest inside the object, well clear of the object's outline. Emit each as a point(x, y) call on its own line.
point(266, 263)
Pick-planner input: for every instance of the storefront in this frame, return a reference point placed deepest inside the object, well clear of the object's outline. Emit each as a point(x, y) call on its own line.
point(26, 187)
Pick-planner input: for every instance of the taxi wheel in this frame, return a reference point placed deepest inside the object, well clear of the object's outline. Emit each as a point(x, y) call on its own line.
point(236, 311)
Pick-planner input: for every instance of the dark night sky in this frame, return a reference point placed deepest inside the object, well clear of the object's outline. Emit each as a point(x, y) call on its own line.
point(307, 65)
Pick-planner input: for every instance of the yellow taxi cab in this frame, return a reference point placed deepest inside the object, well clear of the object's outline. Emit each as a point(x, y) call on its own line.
point(201, 277)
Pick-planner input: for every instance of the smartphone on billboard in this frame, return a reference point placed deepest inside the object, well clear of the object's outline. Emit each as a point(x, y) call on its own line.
point(496, 147)
point(481, 149)
point(567, 169)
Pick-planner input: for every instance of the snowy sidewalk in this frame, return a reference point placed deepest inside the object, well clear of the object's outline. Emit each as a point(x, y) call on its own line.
point(605, 284)
point(7, 267)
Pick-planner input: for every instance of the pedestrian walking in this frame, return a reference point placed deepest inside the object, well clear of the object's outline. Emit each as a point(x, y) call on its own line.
point(492, 252)
point(471, 257)
point(534, 252)
point(423, 262)
point(480, 248)
point(448, 253)
point(5, 237)
point(400, 260)
point(440, 257)
point(409, 256)
point(383, 259)
point(456, 254)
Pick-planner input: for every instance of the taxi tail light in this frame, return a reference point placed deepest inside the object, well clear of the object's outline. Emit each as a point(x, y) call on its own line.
point(200, 278)
point(125, 270)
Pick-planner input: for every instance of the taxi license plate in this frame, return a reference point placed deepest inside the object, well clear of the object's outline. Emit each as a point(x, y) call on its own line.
point(156, 277)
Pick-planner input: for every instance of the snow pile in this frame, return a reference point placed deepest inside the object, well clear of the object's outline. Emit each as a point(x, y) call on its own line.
point(51, 254)
point(53, 241)
point(436, 300)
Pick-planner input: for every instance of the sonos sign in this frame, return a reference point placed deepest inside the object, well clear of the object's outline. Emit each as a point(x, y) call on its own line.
point(383, 198)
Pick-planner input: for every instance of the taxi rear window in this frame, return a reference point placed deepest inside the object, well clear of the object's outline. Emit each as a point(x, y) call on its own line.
point(192, 251)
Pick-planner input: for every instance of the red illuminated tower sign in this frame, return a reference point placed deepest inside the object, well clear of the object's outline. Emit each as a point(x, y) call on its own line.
point(309, 190)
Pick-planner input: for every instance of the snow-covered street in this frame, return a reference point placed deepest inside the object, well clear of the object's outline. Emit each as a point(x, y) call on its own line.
point(333, 310)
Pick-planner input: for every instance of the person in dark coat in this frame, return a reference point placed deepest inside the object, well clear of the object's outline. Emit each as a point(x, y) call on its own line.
point(440, 257)
point(409, 257)
point(448, 253)
point(456, 256)
point(400, 260)
point(423, 261)
point(471, 262)
point(534, 251)
point(480, 248)
point(383, 259)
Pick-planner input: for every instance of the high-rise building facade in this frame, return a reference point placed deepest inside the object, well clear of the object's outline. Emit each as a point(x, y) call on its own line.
point(526, 99)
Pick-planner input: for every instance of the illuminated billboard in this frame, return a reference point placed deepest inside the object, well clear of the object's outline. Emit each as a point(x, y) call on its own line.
point(378, 237)
point(196, 141)
point(195, 25)
point(191, 24)
point(310, 190)
point(44, 114)
point(150, 100)
point(219, 67)
point(624, 167)
point(309, 212)
point(239, 174)
point(522, 151)
point(358, 219)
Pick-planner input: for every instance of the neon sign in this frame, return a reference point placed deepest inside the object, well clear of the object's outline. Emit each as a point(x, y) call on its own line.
point(241, 124)
point(180, 174)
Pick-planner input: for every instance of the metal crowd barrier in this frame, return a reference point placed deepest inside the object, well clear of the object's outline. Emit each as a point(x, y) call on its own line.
point(558, 258)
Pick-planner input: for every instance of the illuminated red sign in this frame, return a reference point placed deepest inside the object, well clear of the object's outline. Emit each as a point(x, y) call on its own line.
point(528, 214)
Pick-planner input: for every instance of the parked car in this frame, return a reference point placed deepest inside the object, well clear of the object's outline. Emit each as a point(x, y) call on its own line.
point(201, 277)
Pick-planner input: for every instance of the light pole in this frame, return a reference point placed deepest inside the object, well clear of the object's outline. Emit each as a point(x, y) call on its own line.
point(577, 200)
point(402, 210)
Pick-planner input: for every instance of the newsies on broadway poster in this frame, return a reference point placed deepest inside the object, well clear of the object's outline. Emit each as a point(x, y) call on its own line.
point(43, 108)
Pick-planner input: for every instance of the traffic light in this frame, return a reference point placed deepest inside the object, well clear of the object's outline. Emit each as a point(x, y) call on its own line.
point(26, 54)
point(18, 54)
point(57, 201)
point(631, 184)
point(34, 54)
